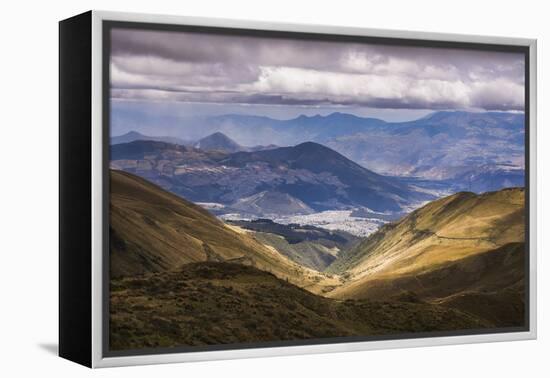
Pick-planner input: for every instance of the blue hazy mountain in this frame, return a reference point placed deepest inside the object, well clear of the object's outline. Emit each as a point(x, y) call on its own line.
point(307, 174)
point(444, 145)
point(257, 130)
point(490, 177)
point(134, 135)
point(218, 142)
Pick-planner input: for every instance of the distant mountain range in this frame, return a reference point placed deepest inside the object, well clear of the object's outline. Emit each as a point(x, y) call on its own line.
point(448, 145)
point(253, 130)
point(213, 142)
point(444, 145)
point(300, 179)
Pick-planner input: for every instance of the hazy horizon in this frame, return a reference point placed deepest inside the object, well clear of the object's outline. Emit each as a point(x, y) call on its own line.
point(143, 117)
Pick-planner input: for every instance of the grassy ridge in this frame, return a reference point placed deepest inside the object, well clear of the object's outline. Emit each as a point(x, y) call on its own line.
point(444, 230)
point(464, 251)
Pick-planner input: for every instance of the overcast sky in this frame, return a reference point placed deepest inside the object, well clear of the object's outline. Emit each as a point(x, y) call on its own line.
point(236, 71)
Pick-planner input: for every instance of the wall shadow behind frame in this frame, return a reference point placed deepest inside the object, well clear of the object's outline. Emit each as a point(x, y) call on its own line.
point(75, 189)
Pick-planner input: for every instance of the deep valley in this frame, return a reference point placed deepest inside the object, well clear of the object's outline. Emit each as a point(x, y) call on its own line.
point(178, 273)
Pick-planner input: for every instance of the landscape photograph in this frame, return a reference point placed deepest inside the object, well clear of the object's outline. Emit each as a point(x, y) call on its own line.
point(293, 189)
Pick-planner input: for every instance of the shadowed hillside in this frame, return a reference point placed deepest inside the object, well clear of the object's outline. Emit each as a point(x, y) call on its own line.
point(221, 303)
point(489, 285)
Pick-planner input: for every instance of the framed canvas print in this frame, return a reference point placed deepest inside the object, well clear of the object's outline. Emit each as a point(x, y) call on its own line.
point(237, 189)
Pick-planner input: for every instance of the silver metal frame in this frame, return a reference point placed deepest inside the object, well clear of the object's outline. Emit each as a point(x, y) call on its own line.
point(98, 360)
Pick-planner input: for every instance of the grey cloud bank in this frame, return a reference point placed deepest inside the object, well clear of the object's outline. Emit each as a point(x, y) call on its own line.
point(228, 69)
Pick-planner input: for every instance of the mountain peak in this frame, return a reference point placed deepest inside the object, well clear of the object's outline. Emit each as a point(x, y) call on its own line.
point(340, 115)
point(218, 141)
point(218, 134)
point(132, 134)
point(312, 147)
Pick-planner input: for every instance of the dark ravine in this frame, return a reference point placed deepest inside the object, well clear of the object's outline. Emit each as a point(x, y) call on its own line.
point(310, 246)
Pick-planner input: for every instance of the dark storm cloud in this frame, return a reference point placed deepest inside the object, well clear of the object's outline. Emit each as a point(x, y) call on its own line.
point(176, 66)
point(223, 49)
